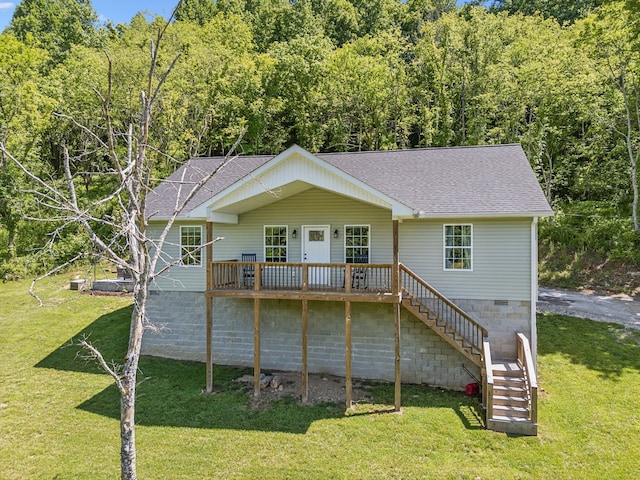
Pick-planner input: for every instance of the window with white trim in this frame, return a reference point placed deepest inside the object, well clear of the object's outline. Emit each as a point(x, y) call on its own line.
point(275, 243)
point(356, 243)
point(458, 247)
point(191, 246)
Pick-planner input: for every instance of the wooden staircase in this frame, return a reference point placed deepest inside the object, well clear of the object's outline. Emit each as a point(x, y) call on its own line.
point(511, 400)
point(509, 387)
point(442, 328)
point(442, 316)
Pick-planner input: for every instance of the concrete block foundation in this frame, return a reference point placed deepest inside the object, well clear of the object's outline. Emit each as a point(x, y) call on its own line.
point(425, 357)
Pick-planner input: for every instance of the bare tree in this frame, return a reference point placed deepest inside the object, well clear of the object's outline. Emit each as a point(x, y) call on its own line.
point(142, 255)
point(615, 47)
point(629, 86)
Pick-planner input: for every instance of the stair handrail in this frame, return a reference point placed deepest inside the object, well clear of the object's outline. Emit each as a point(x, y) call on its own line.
point(487, 377)
point(479, 331)
point(525, 358)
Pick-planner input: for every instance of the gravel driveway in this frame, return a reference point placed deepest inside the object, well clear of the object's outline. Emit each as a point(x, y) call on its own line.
point(618, 308)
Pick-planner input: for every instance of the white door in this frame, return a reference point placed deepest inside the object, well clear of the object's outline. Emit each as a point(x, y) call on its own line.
point(316, 248)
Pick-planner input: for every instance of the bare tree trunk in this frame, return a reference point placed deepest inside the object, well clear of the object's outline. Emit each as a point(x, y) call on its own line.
point(634, 184)
point(128, 452)
point(127, 431)
point(548, 177)
point(633, 151)
point(133, 171)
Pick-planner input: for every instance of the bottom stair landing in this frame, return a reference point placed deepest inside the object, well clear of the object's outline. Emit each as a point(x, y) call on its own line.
point(511, 400)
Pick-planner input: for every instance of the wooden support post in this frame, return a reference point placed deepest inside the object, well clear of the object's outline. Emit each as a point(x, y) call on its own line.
point(305, 369)
point(256, 347)
point(209, 308)
point(396, 315)
point(395, 272)
point(209, 362)
point(347, 352)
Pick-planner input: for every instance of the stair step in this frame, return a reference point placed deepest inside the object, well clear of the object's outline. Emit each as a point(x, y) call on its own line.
point(506, 369)
point(510, 401)
point(508, 381)
point(510, 411)
point(506, 418)
point(512, 425)
point(509, 390)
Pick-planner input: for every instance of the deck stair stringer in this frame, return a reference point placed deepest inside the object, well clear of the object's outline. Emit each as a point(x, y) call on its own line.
point(459, 342)
point(442, 316)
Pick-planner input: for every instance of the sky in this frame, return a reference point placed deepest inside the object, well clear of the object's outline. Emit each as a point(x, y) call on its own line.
point(118, 11)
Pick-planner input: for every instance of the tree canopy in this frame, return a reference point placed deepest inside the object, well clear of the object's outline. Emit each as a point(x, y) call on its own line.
point(330, 75)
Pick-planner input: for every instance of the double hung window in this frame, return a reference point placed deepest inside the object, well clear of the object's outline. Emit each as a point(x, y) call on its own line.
point(191, 246)
point(275, 243)
point(458, 247)
point(356, 241)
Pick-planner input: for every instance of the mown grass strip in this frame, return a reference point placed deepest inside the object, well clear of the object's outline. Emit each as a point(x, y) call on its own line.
point(59, 414)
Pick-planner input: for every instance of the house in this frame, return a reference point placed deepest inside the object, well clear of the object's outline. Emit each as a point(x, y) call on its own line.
point(410, 265)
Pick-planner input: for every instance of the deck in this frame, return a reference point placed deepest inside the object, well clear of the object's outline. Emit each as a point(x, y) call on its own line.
point(358, 282)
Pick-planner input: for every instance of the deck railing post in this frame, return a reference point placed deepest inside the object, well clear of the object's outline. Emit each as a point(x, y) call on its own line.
point(257, 279)
point(347, 278)
point(395, 273)
point(305, 277)
point(487, 380)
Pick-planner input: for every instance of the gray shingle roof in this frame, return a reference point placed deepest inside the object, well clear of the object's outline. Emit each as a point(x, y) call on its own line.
point(456, 181)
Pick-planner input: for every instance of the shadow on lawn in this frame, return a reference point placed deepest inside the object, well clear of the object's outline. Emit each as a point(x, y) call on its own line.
point(170, 391)
point(108, 333)
point(603, 347)
point(467, 408)
point(170, 394)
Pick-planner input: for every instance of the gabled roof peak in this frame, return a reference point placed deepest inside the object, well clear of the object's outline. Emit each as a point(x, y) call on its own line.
point(486, 180)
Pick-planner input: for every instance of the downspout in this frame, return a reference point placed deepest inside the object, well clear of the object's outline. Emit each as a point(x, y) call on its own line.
point(534, 290)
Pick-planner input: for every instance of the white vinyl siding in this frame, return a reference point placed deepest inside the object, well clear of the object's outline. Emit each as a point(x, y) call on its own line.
point(311, 207)
point(295, 169)
point(501, 258)
point(501, 247)
point(178, 277)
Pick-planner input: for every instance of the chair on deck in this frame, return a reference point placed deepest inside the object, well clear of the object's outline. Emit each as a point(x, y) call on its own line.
point(359, 275)
point(248, 271)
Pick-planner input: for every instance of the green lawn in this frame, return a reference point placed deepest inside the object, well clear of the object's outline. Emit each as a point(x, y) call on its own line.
point(59, 414)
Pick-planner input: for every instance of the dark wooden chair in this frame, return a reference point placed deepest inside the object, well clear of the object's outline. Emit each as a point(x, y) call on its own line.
point(248, 271)
point(359, 275)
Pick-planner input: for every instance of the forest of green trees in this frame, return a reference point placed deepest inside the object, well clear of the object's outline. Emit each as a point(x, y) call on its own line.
point(332, 75)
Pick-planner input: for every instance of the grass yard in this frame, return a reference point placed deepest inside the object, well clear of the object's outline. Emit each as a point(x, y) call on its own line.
point(59, 414)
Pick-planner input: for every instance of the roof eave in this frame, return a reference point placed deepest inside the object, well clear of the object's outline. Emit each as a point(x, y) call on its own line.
point(444, 215)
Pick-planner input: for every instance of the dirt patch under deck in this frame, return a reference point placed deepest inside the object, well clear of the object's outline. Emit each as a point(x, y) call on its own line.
point(322, 388)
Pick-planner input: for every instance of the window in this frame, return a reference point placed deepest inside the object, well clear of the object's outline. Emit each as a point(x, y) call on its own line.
point(191, 246)
point(316, 235)
point(356, 241)
point(275, 243)
point(458, 247)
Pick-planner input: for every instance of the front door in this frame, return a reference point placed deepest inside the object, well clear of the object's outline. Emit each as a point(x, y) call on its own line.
point(316, 248)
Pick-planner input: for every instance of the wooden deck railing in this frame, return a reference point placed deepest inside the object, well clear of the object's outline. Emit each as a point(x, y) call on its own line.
point(487, 379)
point(525, 359)
point(456, 321)
point(302, 277)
